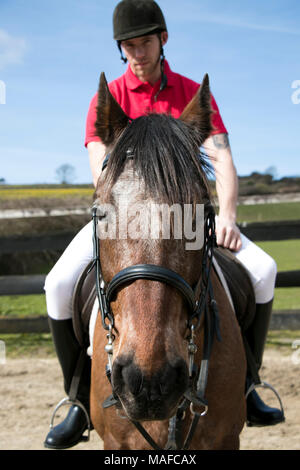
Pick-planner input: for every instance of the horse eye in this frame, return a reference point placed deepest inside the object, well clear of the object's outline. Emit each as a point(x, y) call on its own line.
point(101, 212)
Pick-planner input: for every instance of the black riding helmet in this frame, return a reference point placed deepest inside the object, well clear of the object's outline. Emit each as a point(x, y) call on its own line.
point(134, 18)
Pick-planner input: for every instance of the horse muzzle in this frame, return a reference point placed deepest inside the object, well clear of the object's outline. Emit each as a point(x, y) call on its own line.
point(147, 397)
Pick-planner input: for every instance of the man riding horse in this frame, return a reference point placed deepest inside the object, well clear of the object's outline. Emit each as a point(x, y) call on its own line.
point(149, 85)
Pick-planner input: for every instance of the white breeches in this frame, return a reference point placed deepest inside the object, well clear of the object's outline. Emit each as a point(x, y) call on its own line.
point(61, 280)
point(261, 268)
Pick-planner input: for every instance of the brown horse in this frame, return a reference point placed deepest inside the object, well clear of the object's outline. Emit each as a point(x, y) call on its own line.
point(155, 333)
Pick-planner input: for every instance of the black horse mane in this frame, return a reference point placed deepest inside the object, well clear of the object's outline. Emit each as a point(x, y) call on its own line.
point(166, 156)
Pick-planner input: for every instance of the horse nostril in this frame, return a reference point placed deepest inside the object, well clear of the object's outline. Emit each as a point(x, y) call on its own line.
point(174, 378)
point(133, 378)
point(168, 383)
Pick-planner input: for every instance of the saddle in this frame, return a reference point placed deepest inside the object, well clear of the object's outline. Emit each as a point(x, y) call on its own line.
point(231, 273)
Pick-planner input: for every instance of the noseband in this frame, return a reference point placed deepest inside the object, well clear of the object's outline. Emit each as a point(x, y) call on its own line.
point(199, 306)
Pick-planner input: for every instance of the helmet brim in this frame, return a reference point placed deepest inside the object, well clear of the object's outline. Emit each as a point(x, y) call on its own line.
point(139, 32)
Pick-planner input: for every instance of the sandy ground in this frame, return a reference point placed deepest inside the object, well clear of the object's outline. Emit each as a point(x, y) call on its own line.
point(30, 388)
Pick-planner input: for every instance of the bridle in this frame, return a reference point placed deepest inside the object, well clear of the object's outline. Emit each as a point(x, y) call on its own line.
point(200, 306)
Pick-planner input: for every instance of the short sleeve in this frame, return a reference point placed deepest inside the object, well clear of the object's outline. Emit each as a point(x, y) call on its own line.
point(217, 121)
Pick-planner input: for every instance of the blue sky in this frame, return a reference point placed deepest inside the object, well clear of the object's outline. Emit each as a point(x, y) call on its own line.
point(52, 53)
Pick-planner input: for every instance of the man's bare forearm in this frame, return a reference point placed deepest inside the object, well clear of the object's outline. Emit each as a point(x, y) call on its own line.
point(97, 152)
point(218, 149)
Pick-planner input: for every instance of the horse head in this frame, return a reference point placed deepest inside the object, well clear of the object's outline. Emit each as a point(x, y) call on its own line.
point(154, 168)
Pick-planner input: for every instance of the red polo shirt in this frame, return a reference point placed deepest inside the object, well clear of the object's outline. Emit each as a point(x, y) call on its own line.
point(137, 98)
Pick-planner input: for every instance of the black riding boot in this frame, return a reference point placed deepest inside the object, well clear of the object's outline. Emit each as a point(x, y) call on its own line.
point(70, 431)
point(258, 413)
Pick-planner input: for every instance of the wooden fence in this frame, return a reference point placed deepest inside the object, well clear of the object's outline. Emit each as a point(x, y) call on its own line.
point(33, 284)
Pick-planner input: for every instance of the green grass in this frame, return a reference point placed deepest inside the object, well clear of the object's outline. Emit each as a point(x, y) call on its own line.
point(35, 305)
point(28, 344)
point(282, 338)
point(287, 256)
point(21, 306)
point(287, 298)
point(286, 253)
point(268, 212)
point(33, 345)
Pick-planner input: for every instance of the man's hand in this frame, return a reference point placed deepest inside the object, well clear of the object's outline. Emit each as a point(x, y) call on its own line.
point(228, 234)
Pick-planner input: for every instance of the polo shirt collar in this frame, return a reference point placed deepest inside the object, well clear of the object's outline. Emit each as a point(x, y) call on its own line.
point(132, 82)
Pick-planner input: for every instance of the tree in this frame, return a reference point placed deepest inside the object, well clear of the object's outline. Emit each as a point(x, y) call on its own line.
point(2, 181)
point(272, 170)
point(65, 174)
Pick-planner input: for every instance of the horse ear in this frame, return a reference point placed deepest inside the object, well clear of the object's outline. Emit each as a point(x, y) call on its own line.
point(198, 112)
point(111, 119)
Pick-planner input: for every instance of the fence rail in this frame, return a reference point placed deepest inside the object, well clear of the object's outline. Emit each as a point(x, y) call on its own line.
point(280, 320)
point(271, 231)
point(34, 284)
point(35, 243)
point(257, 231)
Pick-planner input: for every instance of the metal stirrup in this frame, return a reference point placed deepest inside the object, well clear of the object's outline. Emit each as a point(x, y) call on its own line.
point(265, 385)
point(67, 401)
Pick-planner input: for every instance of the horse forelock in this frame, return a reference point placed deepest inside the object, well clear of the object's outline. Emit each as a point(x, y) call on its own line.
point(149, 192)
point(166, 162)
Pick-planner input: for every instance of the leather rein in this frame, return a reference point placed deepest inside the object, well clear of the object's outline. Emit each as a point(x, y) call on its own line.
point(199, 306)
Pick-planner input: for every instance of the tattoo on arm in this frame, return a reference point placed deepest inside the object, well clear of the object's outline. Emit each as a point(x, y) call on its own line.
point(221, 141)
